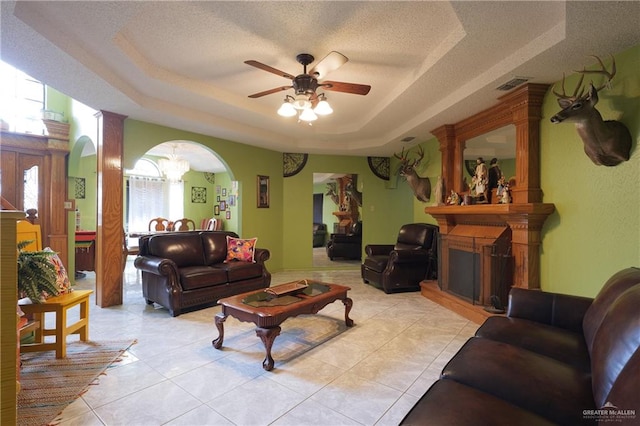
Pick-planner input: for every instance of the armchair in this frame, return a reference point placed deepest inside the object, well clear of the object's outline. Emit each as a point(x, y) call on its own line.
point(401, 267)
point(319, 234)
point(348, 245)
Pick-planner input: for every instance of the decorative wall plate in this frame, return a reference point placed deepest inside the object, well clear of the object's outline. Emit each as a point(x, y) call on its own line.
point(293, 163)
point(379, 166)
point(210, 177)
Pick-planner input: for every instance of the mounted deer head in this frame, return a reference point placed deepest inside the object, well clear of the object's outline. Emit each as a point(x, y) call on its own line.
point(332, 192)
point(606, 143)
point(421, 186)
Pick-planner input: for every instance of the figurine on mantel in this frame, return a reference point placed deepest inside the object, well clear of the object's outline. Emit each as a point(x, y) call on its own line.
point(453, 199)
point(503, 192)
point(479, 182)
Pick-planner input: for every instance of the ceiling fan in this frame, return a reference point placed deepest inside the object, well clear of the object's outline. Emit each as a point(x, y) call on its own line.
point(306, 84)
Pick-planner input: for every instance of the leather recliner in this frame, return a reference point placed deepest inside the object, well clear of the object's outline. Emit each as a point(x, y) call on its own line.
point(348, 246)
point(319, 234)
point(401, 267)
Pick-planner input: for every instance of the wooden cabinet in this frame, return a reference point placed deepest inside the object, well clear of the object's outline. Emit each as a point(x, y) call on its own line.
point(85, 251)
point(41, 159)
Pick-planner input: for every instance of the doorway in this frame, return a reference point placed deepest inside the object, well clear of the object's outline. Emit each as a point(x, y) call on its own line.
point(337, 205)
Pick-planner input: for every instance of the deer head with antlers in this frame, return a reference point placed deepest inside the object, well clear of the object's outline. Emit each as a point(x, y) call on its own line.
point(606, 143)
point(421, 186)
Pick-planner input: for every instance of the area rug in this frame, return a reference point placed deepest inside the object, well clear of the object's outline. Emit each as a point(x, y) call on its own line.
point(48, 385)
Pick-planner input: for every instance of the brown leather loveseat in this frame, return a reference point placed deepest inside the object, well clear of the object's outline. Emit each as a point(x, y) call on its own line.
point(183, 270)
point(555, 359)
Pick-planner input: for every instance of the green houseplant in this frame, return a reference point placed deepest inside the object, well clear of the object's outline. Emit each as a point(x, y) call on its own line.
point(36, 273)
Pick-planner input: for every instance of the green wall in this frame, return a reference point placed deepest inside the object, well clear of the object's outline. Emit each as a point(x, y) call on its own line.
point(595, 230)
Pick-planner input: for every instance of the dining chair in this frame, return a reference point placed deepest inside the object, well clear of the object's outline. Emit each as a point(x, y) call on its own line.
point(184, 224)
point(158, 224)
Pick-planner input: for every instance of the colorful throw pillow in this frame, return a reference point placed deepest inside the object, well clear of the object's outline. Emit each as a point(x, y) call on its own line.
point(62, 280)
point(241, 249)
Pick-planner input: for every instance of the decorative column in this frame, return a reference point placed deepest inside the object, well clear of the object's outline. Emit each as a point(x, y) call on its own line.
point(526, 114)
point(446, 136)
point(110, 227)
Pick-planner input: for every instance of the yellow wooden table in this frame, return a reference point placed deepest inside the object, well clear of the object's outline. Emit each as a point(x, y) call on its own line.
point(58, 305)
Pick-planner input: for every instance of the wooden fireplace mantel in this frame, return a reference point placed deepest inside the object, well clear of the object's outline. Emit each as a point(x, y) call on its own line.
point(525, 221)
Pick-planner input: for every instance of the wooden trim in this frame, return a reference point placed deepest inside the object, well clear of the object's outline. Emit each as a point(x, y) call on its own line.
point(477, 314)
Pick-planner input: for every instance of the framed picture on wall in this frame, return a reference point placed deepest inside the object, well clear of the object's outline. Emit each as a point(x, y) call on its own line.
point(216, 210)
point(80, 188)
point(223, 205)
point(232, 200)
point(224, 192)
point(263, 191)
point(228, 214)
point(198, 194)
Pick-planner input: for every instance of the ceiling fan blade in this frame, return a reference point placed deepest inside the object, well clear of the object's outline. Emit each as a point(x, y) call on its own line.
point(268, 92)
point(331, 62)
point(340, 86)
point(269, 69)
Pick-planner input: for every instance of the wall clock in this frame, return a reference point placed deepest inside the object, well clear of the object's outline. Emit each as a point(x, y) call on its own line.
point(293, 163)
point(210, 177)
point(379, 166)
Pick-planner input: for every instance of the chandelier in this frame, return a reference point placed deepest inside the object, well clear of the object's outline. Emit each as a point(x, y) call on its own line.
point(302, 106)
point(172, 167)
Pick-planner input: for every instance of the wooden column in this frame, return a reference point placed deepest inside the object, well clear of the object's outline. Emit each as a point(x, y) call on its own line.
point(446, 135)
point(526, 114)
point(109, 237)
point(8, 316)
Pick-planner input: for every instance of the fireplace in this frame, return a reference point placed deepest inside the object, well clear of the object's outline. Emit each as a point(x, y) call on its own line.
point(493, 246)
point(476, 264)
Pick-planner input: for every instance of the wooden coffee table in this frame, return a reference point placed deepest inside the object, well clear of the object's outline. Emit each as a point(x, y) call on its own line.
point(267, 311)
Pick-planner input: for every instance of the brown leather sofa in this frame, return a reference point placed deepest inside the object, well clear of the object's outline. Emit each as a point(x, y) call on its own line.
point(555, 359)
point(401, 266)
point(187, 270)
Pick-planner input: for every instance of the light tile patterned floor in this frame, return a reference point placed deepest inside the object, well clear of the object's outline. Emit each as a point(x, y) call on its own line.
point(325, 373)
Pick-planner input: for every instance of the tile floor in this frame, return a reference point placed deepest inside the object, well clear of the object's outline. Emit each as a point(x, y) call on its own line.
point(325, 373)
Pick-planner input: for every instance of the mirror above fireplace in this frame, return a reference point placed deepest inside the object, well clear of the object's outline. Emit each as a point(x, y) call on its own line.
point(520, 108)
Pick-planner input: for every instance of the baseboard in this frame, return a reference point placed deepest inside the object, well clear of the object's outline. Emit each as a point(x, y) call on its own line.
point(475, 313)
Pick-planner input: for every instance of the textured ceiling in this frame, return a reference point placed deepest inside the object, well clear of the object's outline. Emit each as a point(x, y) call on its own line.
point(181, 64)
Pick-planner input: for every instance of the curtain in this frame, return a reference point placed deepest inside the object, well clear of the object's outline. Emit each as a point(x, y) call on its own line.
point(147, 199)
point(153, 197)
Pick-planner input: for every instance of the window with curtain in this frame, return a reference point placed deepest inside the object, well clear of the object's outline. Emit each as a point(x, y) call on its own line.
point(150, 196)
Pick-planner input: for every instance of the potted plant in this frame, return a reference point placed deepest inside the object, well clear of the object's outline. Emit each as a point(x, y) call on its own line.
point(36, 273)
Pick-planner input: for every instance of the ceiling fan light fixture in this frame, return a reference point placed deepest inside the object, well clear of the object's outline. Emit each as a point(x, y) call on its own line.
point(323, 107)
point(301, 102)
point(308, 115)
point(287, 109)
